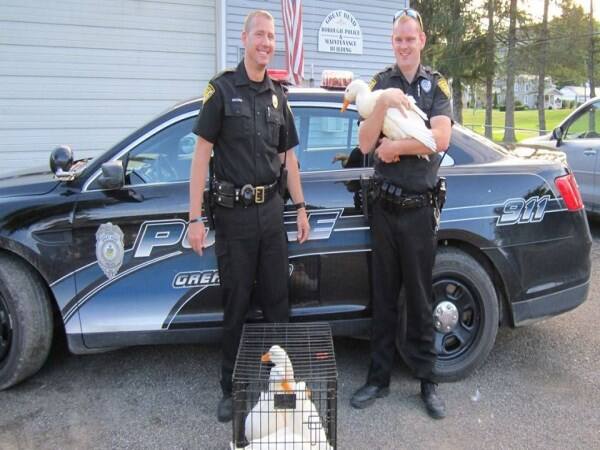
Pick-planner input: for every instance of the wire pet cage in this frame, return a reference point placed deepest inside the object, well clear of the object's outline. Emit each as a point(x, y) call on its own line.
point(285, 388)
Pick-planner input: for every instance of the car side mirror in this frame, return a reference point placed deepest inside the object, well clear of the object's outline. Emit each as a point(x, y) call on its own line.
point(557, 134)
point(113, 175)
point(61, 160)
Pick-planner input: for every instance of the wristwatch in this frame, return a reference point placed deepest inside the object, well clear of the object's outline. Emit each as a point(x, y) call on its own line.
point(197, 219)
point(299, 205)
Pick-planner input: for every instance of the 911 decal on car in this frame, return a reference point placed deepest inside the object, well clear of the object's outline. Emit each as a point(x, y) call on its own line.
point(518, 210)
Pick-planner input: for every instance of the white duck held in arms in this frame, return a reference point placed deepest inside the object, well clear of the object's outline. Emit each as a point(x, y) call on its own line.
point(395, 125)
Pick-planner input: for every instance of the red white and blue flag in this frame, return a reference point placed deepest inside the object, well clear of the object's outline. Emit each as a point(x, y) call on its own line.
point(292, 26)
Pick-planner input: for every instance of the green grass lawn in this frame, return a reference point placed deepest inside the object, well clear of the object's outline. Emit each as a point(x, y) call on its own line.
point(526, 122)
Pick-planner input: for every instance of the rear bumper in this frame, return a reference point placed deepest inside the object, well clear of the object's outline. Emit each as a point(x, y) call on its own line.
point(538, 308)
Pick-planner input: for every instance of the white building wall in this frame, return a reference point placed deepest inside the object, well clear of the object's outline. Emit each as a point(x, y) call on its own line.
point(87, 72)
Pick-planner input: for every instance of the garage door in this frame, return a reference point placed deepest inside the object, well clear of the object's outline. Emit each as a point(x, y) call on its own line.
point(86, 73)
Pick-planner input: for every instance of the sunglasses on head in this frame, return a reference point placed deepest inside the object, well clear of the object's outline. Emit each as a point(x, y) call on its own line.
point(412, 13)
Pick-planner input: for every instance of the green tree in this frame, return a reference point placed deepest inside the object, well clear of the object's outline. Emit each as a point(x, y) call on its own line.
point(568, 40)
point(455, 45)
point(543, 49)
point(591, 51)
point(490, 68)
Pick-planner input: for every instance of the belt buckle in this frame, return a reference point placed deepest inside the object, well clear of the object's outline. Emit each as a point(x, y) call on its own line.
point(410, 202)
point(259, 194)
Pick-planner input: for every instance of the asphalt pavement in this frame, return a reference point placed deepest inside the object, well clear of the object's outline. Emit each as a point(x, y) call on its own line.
point(539, 388)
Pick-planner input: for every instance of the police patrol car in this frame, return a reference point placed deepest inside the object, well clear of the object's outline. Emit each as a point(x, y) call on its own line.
point(98, 249)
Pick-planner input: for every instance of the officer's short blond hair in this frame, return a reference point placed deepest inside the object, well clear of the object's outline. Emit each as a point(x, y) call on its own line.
point(257, 13)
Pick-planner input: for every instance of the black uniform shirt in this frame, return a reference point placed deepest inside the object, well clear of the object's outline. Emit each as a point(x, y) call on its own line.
point(411, 173)
point(249, 124)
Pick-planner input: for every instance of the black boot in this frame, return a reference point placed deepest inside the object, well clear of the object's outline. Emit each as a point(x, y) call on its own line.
point(434, 404)
point(225, 408)
point(367, 395)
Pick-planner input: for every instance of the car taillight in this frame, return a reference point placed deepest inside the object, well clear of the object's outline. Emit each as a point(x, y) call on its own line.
point(570, 191)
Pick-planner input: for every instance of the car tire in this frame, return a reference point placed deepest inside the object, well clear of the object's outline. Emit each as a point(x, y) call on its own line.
point(461, 285)
point(26, 326)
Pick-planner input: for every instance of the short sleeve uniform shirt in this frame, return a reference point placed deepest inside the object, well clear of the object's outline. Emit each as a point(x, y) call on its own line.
point(249, 123)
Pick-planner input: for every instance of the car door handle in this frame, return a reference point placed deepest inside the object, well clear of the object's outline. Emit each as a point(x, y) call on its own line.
point(589, 152)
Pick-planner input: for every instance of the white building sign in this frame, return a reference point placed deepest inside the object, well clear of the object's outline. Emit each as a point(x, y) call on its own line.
point(340, 33)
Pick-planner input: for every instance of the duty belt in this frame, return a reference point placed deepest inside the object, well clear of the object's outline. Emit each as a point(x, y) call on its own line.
point(394, 197)
point(227, 195)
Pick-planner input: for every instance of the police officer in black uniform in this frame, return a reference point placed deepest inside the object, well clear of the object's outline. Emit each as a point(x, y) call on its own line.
point(404, 221)
point(247, 119)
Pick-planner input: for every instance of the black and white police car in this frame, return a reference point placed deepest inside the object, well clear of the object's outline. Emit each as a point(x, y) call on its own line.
point(98, 249)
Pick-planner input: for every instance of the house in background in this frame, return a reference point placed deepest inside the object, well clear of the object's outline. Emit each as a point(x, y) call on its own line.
point(526, 92)
point(578, 94)
point(552, 99)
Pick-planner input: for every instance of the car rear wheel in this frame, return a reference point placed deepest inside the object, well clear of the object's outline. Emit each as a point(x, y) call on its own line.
point(465, 314)
point(25, 321)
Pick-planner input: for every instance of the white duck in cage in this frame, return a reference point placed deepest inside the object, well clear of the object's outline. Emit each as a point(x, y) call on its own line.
point(395, 125)
point(264, 418)
point(281, 361)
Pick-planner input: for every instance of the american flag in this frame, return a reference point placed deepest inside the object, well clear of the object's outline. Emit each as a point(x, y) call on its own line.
point(292, 26)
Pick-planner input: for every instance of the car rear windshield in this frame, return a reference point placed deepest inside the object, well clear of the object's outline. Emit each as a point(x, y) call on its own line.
point(468, 147)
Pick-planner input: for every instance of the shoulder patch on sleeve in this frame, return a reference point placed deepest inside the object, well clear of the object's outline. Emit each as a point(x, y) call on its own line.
point(372, 83)
point(208, 92)
point(443, 85)
point(379, 76)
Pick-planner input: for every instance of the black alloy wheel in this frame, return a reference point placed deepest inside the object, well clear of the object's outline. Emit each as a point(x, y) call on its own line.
point(456, 300)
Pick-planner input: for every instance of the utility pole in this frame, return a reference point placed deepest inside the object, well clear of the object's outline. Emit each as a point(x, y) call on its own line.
point(591, 58)
point(543, 56)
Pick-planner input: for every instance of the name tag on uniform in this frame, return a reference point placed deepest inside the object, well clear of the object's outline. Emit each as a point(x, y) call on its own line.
point(238, 100)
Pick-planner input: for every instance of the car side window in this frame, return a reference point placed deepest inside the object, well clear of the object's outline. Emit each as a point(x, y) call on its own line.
point(329, 139)
point(587, 125)
point(165, 157)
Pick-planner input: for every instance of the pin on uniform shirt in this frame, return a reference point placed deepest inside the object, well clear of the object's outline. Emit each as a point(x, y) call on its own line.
point(426, 85)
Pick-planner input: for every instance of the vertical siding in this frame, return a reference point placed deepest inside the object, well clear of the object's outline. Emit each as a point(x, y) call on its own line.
point(374, 18)
point(86, 73)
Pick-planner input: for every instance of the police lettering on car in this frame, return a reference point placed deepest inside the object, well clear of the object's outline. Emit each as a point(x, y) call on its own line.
point(246, 119)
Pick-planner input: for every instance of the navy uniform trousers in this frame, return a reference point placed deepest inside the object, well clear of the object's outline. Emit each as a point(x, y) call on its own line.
point(251, 246)
point(404, 244)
